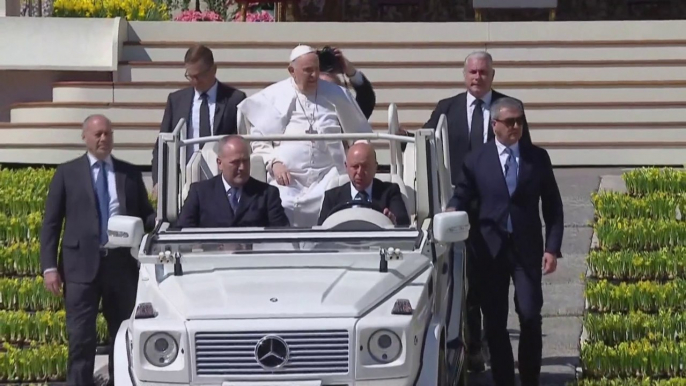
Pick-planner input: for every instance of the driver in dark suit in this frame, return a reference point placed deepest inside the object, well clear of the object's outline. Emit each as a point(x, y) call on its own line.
point(361, 166)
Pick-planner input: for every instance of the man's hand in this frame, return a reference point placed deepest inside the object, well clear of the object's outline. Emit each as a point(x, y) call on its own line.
point(390, 215)
point(549, 263)
point(450, 209)
point(281, 174)
point(53, 282)
point(348, 67)
point(154, 191)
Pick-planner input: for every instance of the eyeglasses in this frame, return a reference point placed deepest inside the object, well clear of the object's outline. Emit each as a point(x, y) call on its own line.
point(510, 122)
point(198, 75)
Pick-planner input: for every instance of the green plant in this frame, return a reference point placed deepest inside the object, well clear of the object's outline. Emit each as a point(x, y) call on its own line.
point(643, 181)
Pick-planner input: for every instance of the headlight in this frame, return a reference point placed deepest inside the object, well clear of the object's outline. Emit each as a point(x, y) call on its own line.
point(160, 349)
point(385, 346)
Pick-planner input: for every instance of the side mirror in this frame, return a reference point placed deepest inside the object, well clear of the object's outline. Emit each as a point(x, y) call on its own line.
point(450, 227)
point(125, 232)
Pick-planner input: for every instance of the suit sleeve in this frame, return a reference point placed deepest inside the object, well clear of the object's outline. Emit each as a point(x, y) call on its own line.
point(190, 212)
point(441, 108)
point(364, 95)
point(551, 205)
point(327, 205)
point(165, 127)
point(145, 210)
point(275, 211)
point(55, 208)
point(397, 206)
point(465, 190)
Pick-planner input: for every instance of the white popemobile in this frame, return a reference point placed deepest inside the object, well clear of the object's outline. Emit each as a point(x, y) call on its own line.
point(356, 301)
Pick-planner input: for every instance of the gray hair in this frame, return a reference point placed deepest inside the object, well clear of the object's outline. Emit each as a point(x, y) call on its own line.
point(92, 117)
point(235, 139)
point(505, 103)
point(479, 55)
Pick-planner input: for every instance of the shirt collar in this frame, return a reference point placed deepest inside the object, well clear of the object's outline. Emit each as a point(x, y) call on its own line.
point(92, 160)
point(228, 187)
point(486, 99)
point(354, 191)
point(211, 93)
point(502, 148)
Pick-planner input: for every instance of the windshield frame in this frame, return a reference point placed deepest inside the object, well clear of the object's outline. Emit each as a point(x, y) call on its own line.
point(286, 235)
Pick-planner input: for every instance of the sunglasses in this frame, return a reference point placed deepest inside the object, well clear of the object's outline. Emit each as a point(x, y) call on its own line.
point(510, 122)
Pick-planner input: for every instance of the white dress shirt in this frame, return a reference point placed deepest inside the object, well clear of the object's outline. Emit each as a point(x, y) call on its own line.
point(502, 154)
point(195, 111)
point(354, 191)
point(486, 109)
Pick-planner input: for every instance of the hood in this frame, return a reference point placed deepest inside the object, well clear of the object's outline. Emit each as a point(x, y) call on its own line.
point(247, 293)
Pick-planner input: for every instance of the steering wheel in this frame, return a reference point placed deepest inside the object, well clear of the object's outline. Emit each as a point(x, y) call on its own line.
point(367, 217)
point(354, 203)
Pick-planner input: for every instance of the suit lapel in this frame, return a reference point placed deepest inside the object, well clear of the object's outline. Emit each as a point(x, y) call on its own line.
point(246, 198)
point(224, 206)
point(461, 110)
point(525, 167)
point(219, 107)
point(87, 176)
point(187, 106)
point(120, 180)
point(377, 191)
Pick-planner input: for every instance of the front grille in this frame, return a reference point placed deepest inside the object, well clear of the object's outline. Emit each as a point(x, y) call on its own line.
point(233, 353)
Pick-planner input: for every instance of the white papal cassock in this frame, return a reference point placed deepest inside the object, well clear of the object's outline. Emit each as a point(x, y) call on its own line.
point(282, 109)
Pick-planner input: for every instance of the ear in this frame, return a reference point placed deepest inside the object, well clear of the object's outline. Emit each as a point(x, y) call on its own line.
point(291, 70)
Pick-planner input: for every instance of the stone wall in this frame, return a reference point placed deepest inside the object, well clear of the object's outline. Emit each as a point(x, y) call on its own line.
point(461, 10)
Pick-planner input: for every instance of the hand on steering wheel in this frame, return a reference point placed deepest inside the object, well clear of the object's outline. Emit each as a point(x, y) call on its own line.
point(364, 204)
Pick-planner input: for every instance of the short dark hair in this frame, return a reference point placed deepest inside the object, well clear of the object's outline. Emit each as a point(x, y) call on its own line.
point(199, 53)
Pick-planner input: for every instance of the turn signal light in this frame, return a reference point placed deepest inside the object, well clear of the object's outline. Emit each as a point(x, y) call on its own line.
point(145, 311)
point(402, 307)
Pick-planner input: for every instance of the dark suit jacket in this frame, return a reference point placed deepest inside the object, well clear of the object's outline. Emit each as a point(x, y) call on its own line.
point(455, 110)
point(483, 181)
point(71, 199)
point(180, 103)
point(365, 97)
point(384, 194)
point(207, 206)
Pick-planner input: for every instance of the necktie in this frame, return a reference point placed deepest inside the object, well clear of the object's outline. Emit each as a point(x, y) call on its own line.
point(476, 138)
point(362, 196)
point(510, 179)
point(103, 196)
point(233, 199)
point(205, 117)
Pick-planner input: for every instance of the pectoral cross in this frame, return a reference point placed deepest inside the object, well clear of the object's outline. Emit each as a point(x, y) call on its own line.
point(311, 130)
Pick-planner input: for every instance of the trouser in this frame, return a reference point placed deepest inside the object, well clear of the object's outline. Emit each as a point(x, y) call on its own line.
point(494, 283)
point(473, 311)
point(115, 285)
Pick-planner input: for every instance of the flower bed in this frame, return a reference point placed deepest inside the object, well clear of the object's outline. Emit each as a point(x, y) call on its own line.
point(636, 284)
point(32, 320)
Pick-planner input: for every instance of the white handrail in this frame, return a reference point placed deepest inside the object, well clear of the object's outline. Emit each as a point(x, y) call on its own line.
point(303, 137)
point(393, 129)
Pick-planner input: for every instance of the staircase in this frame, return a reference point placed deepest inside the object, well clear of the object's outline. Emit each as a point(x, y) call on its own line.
point(595, 93)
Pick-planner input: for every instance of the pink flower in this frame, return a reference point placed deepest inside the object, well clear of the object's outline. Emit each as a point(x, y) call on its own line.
point(253, 17)
point(198, 16)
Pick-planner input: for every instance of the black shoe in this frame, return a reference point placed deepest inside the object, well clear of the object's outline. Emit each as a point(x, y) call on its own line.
point(475, 362)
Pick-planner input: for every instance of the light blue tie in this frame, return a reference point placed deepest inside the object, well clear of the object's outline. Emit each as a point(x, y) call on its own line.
point(103, 195)
point(510, 179)
point(233, 199)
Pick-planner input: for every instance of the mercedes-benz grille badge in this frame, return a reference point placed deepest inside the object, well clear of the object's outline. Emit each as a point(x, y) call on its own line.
point(272, 352)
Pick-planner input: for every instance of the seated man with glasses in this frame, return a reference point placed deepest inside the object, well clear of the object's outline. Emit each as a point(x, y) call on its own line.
point(208, 105)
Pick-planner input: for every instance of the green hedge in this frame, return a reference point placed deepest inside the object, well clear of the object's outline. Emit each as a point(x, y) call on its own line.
point(636, 285)
point(32, 320)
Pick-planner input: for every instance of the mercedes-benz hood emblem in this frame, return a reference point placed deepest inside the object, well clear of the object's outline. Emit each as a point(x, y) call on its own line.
point(272, 352)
